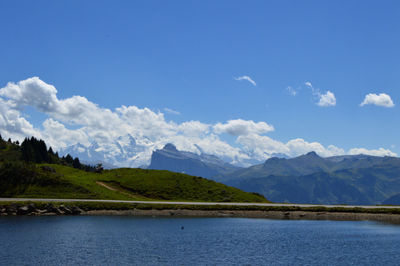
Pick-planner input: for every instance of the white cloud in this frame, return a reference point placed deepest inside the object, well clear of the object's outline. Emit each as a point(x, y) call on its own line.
point(248, 79)
point(12, 124)
point(56, 134)
point(194, 128)
point(263, 147)
point(78, 120)
point(300, 146)
point(240, 127)
point(327, 99)
point(292, 91)
point(32, 91)
point(171, 111)
point(381, 99)
point(324, 99)
point(378, 152)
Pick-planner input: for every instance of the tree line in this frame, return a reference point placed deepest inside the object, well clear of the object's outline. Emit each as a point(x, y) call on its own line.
point(35, 150)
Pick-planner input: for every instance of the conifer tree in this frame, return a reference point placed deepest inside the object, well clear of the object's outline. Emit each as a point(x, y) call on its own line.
point(76, 163)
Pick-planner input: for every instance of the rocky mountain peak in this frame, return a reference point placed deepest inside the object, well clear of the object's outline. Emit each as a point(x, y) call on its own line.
point(170, 147)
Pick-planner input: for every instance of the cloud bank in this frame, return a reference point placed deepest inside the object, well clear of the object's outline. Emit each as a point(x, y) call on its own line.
point(77, 120)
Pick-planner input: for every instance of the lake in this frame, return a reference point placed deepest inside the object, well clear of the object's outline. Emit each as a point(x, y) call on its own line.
point(122, 240)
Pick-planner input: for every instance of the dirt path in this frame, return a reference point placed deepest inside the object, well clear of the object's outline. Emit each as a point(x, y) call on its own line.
point(103, 184)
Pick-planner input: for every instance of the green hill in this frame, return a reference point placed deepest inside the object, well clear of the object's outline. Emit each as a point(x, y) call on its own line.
point(20, 176)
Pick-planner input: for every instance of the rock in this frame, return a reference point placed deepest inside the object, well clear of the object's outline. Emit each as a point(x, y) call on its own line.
point(76, 210)
point(64, 209)
point(32, 207)
point(10, 209)
point(23, 210)
point(49, 214)
point(52, 209)
point(59, 212)
point(40, 212)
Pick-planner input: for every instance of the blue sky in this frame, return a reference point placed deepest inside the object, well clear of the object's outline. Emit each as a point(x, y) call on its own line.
point(185, 56)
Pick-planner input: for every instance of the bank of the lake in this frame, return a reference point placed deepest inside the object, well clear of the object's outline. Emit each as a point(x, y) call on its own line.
point(281, 215)
point(38, 208)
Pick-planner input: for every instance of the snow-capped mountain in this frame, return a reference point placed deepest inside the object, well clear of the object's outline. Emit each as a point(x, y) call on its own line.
point(128, 151)
point(125, 151)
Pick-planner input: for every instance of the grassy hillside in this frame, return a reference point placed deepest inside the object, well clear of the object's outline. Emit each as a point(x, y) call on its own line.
point(19, 178)
point(127, 184)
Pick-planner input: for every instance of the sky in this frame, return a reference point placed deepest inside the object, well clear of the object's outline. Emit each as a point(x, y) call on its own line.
point(240, 79)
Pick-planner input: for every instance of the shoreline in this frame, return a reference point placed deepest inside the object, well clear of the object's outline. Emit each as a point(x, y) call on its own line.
point(85, 208)
point(279, 215)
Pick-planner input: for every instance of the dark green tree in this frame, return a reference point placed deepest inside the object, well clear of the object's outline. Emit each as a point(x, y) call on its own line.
point(28, 154)
point(68, 159)
point(76, 163)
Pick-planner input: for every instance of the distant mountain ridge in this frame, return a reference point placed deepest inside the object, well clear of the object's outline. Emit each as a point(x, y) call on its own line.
point(205, 165)
point(309, 178)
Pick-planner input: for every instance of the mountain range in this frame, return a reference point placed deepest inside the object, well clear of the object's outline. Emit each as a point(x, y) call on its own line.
point(309, 178)
point(128, 151)
point(357, 179)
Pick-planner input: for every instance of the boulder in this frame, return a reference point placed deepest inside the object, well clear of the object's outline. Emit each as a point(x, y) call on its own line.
point(76, 210)
point(52, 209)
point(23, 210)
point(32, 207)
point(11, 209)
point(49, 207)
point(65, 210)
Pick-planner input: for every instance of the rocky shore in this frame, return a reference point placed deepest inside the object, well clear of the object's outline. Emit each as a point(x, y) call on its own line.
point(34, 210)
point(281, 215)
point(49, 209)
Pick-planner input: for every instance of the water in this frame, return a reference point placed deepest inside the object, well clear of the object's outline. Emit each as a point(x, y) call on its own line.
point(115, 240)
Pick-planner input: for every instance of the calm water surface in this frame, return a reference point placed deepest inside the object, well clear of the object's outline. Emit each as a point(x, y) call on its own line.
point(114, 240)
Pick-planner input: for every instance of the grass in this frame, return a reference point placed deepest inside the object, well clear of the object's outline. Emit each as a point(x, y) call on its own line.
point(132, 184)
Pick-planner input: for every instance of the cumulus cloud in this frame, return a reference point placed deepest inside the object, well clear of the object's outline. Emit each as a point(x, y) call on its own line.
point(32, 91)
point(77, 120)
point(327, 99)
point(381, 99)
point(324, 99)
point(240, 127)
point(194, 128)
point(248, 79)
point(12, 123)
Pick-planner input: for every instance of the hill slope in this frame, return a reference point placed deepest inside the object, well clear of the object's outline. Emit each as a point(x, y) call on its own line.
point(19, 178)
